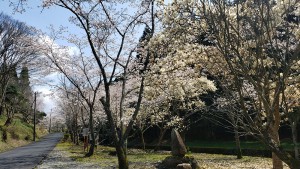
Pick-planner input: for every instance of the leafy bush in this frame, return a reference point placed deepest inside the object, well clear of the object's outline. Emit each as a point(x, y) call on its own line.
point(14, 135)
point(4, 133)
point(27, 138)
point(66, 137)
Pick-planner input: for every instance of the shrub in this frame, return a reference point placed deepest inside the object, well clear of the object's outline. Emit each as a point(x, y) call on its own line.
point(27, 138)
point(66, 137)
point(4, 133)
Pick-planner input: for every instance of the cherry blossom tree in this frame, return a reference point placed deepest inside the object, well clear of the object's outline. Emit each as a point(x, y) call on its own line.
point(79, 70)
point(109, 36)
point(69, 107)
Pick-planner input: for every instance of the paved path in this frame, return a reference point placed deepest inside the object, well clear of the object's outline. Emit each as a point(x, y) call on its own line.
point(61, 159)
point(31, 155)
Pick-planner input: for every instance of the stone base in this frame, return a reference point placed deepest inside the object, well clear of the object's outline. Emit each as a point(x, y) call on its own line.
point(184, 166)
point(171, 162)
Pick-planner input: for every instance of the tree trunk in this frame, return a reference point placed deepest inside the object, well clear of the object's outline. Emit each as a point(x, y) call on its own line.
point(283, 155)
point(143, 140)
point(277, 162)
point(92, 147)
point(8, 121)
point(289, 160)
point(122, 157)
point(237, 144)
point(10, 115)
point(77, 138)
point(295, 135)
point(4, 134)
point(1, 109)
point(72, 135)
point(161, 136)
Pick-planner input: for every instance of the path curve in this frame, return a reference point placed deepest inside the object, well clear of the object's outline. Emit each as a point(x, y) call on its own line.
point(29, 156)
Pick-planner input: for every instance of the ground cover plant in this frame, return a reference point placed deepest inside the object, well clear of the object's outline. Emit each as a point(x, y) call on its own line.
point(17, 134)
point(105, 157)
point(288, 145)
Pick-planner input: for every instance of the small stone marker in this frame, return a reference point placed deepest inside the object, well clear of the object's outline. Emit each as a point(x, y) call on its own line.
point(178, 160)
point(184, 166)
point(177, 145)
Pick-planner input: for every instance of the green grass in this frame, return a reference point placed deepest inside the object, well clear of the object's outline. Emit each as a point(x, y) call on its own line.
point(231, 144)
point(2, 120)
point(102, 155)
point(224, 144)
point(141, 159)
point(18, 133)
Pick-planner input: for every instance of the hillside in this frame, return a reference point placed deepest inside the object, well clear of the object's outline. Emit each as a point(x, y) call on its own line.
point(18, 133)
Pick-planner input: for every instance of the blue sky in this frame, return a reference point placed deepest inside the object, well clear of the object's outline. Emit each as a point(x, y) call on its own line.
point(37, 17)
point(41, 19)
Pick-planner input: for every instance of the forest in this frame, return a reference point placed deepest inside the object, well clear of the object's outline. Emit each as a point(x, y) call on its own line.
point(214, 70)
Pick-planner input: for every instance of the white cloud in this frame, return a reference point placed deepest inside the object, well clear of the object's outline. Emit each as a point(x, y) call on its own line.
point(45, 100)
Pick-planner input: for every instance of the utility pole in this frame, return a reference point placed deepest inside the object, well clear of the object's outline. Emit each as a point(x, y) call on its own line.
point(34, 114)
point(50, 122)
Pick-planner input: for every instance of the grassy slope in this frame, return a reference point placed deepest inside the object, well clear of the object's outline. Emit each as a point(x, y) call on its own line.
point(18, 134)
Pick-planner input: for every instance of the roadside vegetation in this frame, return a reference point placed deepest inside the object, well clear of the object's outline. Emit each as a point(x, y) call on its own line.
point(105, 157)
point(17, 134)
point(18, 102)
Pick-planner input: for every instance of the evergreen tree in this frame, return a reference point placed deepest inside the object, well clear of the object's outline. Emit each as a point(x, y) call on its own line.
point(26, 94)
point(16, 47)
point(12, 96)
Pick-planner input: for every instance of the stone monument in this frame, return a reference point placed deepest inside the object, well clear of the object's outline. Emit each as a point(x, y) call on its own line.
point(178, 160)
point(177, 146)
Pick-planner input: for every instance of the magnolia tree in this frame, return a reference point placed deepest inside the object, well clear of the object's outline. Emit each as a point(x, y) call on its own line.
point(173, 91)
point(226, 109)
point(290, 101)
point(143, 122)
point(255, 45)
point(175, 81)
point(159, 114)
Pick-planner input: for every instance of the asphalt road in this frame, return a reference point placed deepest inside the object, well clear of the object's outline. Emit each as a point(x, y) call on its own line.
point(31, 155)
